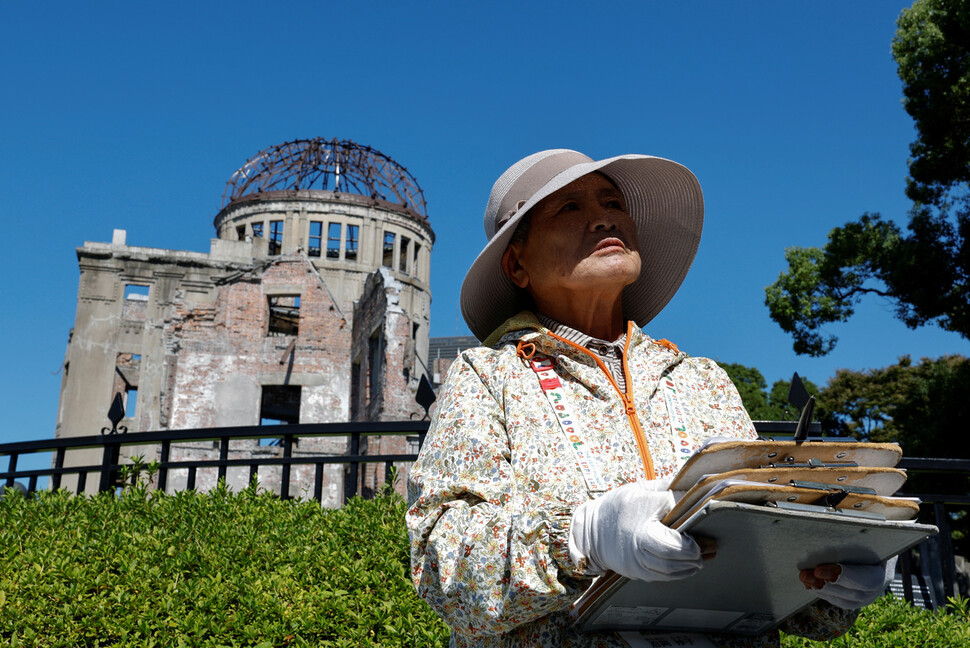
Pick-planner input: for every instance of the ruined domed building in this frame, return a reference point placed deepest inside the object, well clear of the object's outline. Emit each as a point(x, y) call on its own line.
point(312, 305)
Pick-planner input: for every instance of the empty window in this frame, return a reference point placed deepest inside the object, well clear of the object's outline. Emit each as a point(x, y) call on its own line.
point(135, 305)
point(333, 241)
point(402, 262)
point(350, 245)
point(257, 229)
point(414, 264)
point(374, 366)
point(136, 292)
point(241, 233)
point(284, 315)
point(279, 404)
point(127, 368)
point(388, 256)
point(131, 401)
point(316, 233)
point(355, 389)
point(275, 236)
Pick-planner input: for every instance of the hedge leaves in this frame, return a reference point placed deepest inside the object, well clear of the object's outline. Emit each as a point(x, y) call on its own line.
point(214, 569)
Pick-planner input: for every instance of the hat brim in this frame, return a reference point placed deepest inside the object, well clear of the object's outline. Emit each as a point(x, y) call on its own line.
point(666, 203)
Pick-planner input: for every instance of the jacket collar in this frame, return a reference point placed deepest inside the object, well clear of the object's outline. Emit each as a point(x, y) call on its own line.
point(661, 357)
point(520, 324)
point(526, 326)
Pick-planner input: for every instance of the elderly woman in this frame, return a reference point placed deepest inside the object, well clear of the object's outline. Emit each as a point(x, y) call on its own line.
point(547, 453)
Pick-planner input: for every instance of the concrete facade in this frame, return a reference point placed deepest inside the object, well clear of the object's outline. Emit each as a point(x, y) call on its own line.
point(311, 306)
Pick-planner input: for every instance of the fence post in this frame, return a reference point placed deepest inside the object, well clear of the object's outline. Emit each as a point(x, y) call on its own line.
point(223, 456)
point(946, 549)
point(58, 465)
point(906, 561)
point(318, 482)
point(287, 453)
point(12, 468)
point(109, 464)
point(163, 471)
point(350, 483)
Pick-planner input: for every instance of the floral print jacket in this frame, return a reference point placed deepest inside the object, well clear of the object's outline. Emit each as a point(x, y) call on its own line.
point(494, 488)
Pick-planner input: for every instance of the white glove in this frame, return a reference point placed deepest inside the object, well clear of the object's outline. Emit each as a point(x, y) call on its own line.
point(622, 531)
point(858, 585)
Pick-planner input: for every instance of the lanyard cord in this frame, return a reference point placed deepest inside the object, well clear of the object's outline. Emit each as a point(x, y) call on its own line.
point(569, 423)
point(678, 422)
point(572, 428)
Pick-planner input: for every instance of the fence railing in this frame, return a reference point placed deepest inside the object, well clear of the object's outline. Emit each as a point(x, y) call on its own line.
point(108, 469)
point(111, 466)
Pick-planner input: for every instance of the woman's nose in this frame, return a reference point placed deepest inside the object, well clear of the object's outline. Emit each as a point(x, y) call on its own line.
point(603, 221)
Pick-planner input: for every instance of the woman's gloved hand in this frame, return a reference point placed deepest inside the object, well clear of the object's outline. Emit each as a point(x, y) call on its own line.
point(849, 586)
point(621, 531)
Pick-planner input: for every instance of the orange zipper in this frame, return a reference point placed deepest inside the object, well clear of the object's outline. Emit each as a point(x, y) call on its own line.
point(631, 411)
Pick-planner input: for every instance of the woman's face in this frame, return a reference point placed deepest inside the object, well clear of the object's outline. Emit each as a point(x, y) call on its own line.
point(580, 238)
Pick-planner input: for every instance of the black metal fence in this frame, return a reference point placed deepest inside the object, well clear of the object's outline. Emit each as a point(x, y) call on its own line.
point(936, 570)
point(110, 466)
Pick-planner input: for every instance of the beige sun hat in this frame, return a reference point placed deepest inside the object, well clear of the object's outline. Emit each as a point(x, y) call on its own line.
point(664, 200)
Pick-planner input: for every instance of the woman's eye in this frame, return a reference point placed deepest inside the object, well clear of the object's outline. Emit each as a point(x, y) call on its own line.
point(572, 205)
point(614, 203)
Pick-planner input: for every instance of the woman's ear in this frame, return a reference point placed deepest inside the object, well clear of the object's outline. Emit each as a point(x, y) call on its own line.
point(512, 267)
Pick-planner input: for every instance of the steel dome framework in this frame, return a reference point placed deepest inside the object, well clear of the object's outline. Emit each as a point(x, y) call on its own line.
point(339, 166)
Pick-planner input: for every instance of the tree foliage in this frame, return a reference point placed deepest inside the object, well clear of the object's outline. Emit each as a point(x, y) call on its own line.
point(761, 404)
point(922, 406)
point(925, 271)
point(932, 52)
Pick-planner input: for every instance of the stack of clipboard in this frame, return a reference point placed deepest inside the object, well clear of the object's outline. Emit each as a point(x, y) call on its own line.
point(773, 507)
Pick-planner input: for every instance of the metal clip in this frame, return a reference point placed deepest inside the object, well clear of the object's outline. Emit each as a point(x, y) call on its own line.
point(836, 494)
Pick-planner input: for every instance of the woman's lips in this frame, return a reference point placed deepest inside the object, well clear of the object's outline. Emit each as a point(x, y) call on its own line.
point(608, 243)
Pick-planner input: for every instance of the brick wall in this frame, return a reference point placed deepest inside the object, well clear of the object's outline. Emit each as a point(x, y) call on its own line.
point(222, 358)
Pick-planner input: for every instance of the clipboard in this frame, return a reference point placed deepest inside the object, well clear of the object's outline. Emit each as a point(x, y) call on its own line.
point(884, 481)
point(876, 506)
point(733, 455)
point(752, 585)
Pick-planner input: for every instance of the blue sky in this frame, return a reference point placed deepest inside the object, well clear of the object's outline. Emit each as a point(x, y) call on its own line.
point(134, 116)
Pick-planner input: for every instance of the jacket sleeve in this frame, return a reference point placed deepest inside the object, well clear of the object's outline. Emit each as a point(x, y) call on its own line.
point(482, 555)
point(720, 410)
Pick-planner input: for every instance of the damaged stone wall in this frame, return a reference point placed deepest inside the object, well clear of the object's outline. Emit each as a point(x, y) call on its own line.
point(115, 347)
point(228, 363)
point(383, 351)
point(241, 336)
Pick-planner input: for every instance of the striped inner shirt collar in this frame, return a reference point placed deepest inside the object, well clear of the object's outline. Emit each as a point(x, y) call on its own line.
point(578, 337)
point(611, 353)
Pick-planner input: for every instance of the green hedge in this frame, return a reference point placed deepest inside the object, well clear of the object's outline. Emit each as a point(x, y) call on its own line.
point(207, 570)
point(892, 622)
point(247, 569)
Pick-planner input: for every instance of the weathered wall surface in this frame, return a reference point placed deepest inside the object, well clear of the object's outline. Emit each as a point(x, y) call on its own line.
point(223, 357)
point(198, 340)
point(381, 325)
point(223, 353)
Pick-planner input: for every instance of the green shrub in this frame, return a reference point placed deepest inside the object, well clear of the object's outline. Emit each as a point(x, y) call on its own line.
point(892, 622)
point(248, 569)
point(216, 569)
